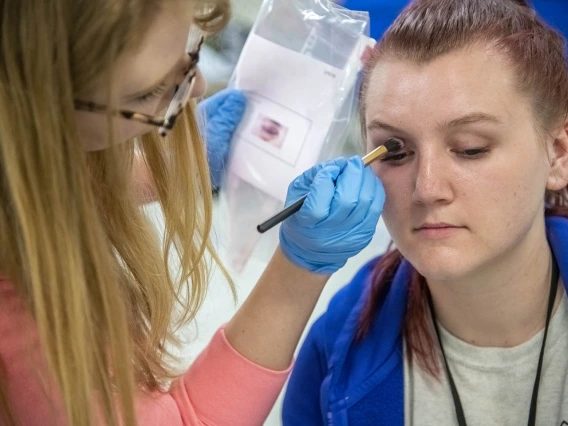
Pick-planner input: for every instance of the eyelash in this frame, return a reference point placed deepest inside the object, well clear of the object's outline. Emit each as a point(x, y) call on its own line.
point(157, 92)
point(394, 157)
point(470, 154)
point(473, 152)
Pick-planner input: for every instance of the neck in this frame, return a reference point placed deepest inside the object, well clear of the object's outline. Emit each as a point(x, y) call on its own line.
point(502, 306)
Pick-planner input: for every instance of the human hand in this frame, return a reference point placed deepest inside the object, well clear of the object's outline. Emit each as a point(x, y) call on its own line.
point(220, 115)
point(338, 218)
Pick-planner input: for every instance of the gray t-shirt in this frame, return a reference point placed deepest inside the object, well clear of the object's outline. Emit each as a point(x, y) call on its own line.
point(495, 384)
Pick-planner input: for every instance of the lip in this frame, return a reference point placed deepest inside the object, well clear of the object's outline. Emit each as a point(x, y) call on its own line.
point(437, 230)
point(429, 225)
point(271, 130)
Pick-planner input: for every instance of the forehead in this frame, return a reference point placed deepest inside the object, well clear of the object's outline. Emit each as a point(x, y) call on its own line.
point(473, 79)
point(162, 46)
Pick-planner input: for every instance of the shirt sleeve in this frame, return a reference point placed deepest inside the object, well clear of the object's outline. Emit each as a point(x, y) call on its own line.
point(223, 388)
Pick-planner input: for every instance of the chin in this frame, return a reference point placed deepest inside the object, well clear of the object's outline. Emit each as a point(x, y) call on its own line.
point(440, 263)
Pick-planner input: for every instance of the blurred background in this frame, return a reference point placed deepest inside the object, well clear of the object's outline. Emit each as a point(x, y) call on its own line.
point(217, 62)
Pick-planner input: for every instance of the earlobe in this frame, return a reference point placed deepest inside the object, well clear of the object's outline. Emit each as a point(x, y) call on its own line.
point(558, 176)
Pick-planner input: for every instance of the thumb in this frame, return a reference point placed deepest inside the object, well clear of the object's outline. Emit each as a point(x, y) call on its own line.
point(229, 104)
point(208, 106)
point(309, 175)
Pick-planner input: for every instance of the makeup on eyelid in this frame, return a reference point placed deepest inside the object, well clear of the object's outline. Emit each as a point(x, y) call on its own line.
point(467, 149)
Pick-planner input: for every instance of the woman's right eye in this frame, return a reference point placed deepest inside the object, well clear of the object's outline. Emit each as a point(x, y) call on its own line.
point(395, 157)
point(150, 96)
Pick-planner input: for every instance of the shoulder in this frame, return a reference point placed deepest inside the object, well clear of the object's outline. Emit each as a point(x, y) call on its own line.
point(324, 341)
point(344, 300)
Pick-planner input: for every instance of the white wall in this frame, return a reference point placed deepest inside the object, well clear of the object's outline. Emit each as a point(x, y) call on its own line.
point(219, 306)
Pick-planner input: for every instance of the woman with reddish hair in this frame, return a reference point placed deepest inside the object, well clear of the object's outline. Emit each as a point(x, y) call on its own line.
point(465, 322)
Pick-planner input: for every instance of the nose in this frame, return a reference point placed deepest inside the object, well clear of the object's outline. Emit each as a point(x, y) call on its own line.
point(432, 181)
point(200, 86)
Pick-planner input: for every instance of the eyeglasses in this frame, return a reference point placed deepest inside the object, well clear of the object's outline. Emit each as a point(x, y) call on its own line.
point(181, 97)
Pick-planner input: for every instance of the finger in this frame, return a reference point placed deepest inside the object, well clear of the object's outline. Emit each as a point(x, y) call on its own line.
point(369, 189)
point(231, 109)
point(220, 118)
point(348, 188)
point(317, 205)
point(369, 222)
point(209, 106)
point(301, 185)
point(376, 209)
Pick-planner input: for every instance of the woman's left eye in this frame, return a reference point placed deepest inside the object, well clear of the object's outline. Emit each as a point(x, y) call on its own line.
point(394, 157)
point(156, 93)
point(472, 153)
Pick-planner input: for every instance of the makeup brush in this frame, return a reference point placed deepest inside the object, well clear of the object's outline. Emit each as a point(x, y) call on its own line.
point(391, 145)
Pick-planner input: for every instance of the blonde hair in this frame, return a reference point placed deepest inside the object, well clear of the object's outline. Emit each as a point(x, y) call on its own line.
point(73, 239)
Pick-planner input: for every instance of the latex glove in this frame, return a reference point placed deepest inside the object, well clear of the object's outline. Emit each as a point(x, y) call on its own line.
point(338, 218)
point(220, 115)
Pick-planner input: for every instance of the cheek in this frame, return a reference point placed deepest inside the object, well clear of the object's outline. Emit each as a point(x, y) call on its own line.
point(93, 130)
point(398, 185)
point(128, 129)
point(515, 194)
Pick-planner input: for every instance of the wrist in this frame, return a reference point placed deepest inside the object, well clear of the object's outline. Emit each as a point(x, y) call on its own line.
point(281, 255)
point(290, 252)
point(293, 288)
point(269, 324)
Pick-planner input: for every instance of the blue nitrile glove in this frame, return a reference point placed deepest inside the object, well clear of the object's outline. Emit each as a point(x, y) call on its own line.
point(220, 115)
point(338, 218)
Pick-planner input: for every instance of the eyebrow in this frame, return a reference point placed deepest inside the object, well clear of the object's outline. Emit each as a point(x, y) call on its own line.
point(379, 125)
point(473, 118)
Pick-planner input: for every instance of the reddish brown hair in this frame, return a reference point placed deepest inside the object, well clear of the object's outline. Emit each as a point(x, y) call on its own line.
point(427, 29)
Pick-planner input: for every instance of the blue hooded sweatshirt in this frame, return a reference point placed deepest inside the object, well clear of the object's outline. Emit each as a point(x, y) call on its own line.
point(383, 12)
point(338, 382)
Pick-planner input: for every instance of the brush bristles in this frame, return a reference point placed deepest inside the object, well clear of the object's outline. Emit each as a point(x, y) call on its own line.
point(394, 145)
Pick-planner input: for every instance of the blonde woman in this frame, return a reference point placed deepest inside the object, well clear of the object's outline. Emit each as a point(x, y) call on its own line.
point(86, 298)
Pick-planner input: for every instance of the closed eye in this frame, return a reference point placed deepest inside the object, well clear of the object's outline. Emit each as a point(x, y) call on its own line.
point(395, 157)
point(472, 153)
point(154, 94)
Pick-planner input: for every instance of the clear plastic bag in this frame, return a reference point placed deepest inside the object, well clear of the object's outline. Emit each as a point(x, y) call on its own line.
point(299, 68)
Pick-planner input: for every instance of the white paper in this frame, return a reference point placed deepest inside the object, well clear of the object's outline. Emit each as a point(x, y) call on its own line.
point(292, 100)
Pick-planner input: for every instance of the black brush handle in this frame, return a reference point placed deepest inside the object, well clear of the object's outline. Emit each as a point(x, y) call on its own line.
point(392, 145)
point(282, 215)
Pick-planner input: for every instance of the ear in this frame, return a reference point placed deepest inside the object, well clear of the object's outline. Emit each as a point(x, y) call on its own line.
point(558, 154)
